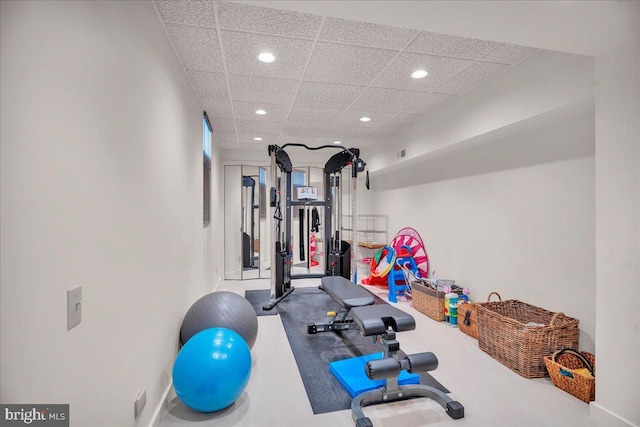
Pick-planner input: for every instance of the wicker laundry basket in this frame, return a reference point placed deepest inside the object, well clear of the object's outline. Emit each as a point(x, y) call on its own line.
point(430, 301)
point(520, 335)
point(562, 367)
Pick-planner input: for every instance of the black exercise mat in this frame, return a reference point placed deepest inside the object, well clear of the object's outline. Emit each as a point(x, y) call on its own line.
point(258, 299)
point(314, 352)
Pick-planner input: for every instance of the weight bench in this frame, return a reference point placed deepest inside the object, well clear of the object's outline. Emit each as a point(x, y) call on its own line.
point(382, 321)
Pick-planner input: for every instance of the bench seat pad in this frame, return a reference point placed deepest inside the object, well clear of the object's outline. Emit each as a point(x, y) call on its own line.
point(375, 319)
point(346, 293)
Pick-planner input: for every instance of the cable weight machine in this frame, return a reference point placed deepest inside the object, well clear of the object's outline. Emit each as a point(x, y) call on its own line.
point(337, 255)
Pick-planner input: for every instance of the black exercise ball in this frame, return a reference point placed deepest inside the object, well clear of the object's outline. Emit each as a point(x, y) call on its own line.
point(221, 310)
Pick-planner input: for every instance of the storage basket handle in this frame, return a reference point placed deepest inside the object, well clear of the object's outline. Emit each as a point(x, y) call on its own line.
point(576, 353)
point(555, 316)
point(494, 293)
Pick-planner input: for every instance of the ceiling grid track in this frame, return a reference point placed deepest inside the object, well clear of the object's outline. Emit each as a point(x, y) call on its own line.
point(224, 66)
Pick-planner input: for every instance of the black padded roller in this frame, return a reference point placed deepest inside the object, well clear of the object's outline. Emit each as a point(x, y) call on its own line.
point(422, 362)
point(382, 368)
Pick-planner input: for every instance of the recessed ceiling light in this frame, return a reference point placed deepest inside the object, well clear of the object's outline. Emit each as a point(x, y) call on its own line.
point(257, 138)
point(266, 57)
point(365, 119)
point(418, 74)
point(261, 112)
point(337, 142)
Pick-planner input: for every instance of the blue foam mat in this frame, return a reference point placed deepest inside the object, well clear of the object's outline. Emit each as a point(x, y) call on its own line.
point(352, 376)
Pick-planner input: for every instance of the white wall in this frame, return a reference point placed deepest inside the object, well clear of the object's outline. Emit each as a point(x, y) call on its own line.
point(618, 235)
point(101, 161)
point(525, 231)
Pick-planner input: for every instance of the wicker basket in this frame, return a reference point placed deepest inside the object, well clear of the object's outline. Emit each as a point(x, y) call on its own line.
point(520, 335)
point(561, 366)
point(471, 328)
point(430, 301)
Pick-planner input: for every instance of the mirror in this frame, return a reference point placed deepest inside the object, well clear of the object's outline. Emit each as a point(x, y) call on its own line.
point(232, 223)
point(250, 223)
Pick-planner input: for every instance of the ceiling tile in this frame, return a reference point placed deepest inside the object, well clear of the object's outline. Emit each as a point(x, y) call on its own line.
point(197, 47)
point(228, 145)
point(429, 103)
point(209, 85)
point(287, 139)
point(219, 108)
point(266, 20)
point(258, 127)
point(365, 34)
point(262, 89)
point(398, 74)
point(347, 133)
point(196, 12)
point(327, 95)
point(471, 77)
point(298, 130)
point(241, 54)
point(351, 120)
point(510, 53)
point(386, 100)
point(266, 139)
point(352, 65)
point(225, 137)
point(401, 121)
point(253, 146)
point(220, 125)
point(459, 47)
point(313, 116)
point(346, 142)
point(247, 111)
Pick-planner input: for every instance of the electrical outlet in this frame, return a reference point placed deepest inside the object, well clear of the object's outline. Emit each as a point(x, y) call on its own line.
point(74, 307)
point(140, 402)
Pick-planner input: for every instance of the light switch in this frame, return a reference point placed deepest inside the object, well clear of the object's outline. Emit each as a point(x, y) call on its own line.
point(74, 307)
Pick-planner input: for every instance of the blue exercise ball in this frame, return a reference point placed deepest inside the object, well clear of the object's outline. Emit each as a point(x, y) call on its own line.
point(212, 369)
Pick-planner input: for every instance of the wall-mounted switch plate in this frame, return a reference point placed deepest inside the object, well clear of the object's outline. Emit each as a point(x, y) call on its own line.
point(74, 307)
point(141, 400)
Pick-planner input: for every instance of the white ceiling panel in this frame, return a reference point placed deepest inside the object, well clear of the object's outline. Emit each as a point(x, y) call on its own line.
point(300, 130)
point(266, 139)
point(347, 133)
point(247, 111)
point(440, 69)
point(225, 137)
point(327, 95)
point(259, 128)
point(209, 85)
point(197, 47)
point(254, 146)
point(459, 47)
point(351, 65)
point(346, 142)
point(288, 139)
point(472, 76)
point(429, 103)
point(262, 89)
point(219, 108)
point(223, 125)
point(229, 145)
point(386, 100)
point(241, 53)
point(510, 53)
point(266, 20)
point(351, 119)
point(365, 34)
point(400, 121)
point(194, 12)
point(313, 116)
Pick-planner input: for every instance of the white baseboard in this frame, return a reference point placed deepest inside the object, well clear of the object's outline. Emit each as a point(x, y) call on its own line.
point(605, 418)
point(155, 418)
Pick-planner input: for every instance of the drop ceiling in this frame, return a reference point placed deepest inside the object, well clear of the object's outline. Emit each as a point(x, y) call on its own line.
point(328, 72)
